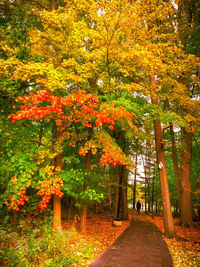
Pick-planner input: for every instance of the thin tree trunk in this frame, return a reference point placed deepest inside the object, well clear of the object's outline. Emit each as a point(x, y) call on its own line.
point(156, 202)
point(117, 190)
point(135, 180)
point(160, 153)
point(148, 191)
point(109, 198)
point(145, 186)
point(83, 217)
point(107, 178)
point(119, 206)
point(53, 4)
point(56, 199)
point(84, 203)
point(152, 196)
point(87, 167)
point(185, 169)
point(175, 163)
point(58, 162)
point(56, 213)
point(145, 194)
point(124, 193)
point(70, 209)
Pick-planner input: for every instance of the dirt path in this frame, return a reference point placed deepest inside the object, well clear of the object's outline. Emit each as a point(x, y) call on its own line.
point(140, 245)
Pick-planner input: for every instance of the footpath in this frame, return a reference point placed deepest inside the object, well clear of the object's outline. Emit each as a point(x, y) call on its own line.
point(140, 245)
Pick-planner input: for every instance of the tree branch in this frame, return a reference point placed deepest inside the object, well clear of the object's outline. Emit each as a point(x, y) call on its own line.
point(36, 141)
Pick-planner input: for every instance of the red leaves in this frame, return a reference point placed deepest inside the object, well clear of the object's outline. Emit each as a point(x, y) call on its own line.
point(48, 188)
point(19, 199)
point(78, 107)
point(111, 152)
point(82, 108)
point(32, 108)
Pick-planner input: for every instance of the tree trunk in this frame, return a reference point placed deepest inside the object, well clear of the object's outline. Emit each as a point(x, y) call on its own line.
point(149, 195)
point(145, 193)
point(175, 163)
point(53, 4)
point(156, 202)
point(87, 167)
point(152, 196)
point(167, 213)
point(84, 203)
point(119, 206)
point(122, 205)
point(57, 162)
point(107, 178)
point(83, 216)
point(124, 193)
point(70, 209)
point(117, 190)
point(135, 180)
point(160, 153)
point(57, 200)
point(56, 213)
point(185, 171)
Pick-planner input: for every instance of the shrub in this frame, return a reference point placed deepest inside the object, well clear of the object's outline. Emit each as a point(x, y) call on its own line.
point(42, 247)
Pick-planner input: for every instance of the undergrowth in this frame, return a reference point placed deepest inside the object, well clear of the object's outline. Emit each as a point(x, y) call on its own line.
point(42, 247)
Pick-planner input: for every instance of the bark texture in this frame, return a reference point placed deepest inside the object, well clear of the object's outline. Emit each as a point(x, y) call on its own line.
point(175, 163)
point(57, 200)
point(135, 181)
point(53, 4)
point(160, 153)
point(121, 206)
point(183, 176)
point(186, 188)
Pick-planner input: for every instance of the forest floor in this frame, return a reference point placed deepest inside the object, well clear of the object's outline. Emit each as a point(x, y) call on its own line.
point(185, 248)
point(100, 235)
point(41, 246)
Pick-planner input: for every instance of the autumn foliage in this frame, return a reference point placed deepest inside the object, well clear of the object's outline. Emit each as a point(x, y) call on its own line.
point(79, 108)
point(17, 195)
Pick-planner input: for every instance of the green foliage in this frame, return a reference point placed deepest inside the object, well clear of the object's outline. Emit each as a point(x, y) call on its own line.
point(42, 247)
point(74, 179)
point(111, 55)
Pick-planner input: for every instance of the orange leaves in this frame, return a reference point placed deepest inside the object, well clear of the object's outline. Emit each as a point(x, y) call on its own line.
point(17, 199)
point(110, 114)
point(43, 104)
point(185, 249)
point(48, 188)
point(32, 108)
point(100, 235)
point(85, 109)
point(111, 152)
point(51, 185)
point(78, 107)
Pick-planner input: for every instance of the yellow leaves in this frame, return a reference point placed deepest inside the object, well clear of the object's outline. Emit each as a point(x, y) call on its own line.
point(133, 87)
point(69, 63)
point(8, 49)
point(13, 179)
point(8, 66)
point(190, 119)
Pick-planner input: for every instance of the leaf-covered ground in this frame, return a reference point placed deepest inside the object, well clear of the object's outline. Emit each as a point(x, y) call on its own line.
point(185, 249)
point(44, 247)
point(100, 235)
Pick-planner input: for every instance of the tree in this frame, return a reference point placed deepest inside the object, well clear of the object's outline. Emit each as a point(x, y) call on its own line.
point(116, 50)
point(81, 109)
